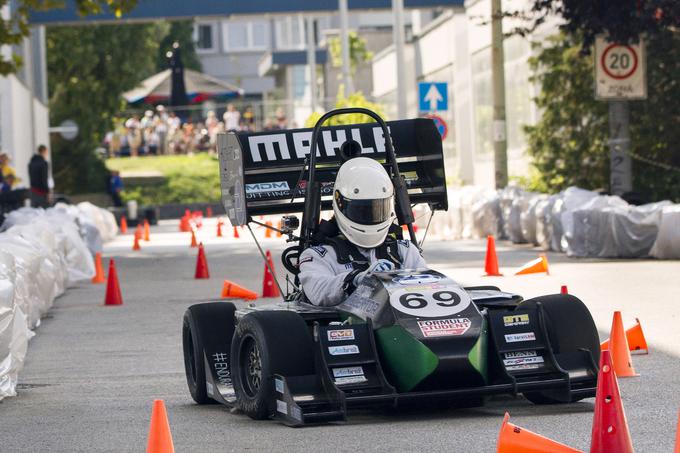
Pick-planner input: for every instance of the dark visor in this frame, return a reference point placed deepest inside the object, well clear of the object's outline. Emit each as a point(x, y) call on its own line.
point(364, 212)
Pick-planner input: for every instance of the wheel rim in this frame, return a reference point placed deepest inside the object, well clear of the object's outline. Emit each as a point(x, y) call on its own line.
point(251, 366)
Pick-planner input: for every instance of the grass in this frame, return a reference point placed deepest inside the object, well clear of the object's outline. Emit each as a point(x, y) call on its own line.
point(188, 179)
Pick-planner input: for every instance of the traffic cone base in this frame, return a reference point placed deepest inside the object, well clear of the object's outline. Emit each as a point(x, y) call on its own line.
point(201, 264)
point(99, 276)
point(491, 259)
point(232, 290)
point(636, 340)
point(610, 428)
point(160, 438)
point(113, 295)
point(513, 439)
point(620, 352)
point(537, 266)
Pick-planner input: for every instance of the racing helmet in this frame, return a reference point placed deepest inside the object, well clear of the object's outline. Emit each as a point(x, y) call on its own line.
point(363, 202)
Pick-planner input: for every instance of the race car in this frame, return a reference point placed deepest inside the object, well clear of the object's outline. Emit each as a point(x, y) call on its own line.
point(407, 336)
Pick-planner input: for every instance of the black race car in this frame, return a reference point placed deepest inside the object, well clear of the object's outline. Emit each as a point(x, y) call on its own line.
point(402, 336)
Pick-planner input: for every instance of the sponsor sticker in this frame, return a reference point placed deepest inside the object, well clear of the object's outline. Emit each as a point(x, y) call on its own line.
point(282, 407)
point(516, 337)
point(341, 335)
point(350, 380)
point(522, 367)
point(267, 187)
point(343, 350)
point(278, 383)
point(444, 327)
point(418, 279)
point(516, 320)
point(348, 371)
point(296, 413)
point(522, 358)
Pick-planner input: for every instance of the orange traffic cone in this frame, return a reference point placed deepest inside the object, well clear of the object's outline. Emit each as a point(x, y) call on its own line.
point(491, 260)
point(201, 264)
point(99, 276)
point(138, 231)
point(564, 290)
point(135, 244)
point(236, 236)
point(269, 286)
point(635, 337)
point(537, 266)
point(208, 211)
point(193, 239)
point(184, 224)
point(267, 231)
point(610, 429)
point(232, 290)
point(123, 225)
point(219, 228)
point(513, 439)
point(620, 352)
point(677, 436)
point(146, 230)
point(113, 295)
point(160, 438)
point(278, 233)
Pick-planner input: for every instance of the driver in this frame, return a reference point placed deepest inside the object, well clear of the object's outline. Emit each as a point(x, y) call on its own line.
point(355, 242)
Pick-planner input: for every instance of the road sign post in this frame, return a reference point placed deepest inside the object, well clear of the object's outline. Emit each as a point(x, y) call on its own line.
point(620, 76)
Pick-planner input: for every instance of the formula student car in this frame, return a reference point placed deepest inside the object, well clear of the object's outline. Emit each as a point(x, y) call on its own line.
point(405, 336)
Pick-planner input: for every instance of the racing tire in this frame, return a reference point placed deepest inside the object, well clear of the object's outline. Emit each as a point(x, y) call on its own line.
point(570, 328)
point(210, 322)
point(267, 343)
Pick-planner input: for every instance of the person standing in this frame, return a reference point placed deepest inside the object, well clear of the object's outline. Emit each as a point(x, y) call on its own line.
point(232, 119)
point(115, 187)
point(38, 174)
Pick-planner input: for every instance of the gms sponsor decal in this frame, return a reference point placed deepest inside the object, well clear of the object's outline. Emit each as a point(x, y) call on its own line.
point(348, 371)
point(343, 350)
point(267, 187)
point(517, 337)
point(444, 327)
point(350, 380)
point(516, 320)
point(522, 358)
point(340, 335)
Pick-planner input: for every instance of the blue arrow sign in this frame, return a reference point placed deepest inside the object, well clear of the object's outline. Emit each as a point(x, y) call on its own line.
point(433, 96)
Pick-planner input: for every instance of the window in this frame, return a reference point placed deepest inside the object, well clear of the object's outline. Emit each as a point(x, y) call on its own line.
point(246, 35)
point(204, 37)
point(290, 33)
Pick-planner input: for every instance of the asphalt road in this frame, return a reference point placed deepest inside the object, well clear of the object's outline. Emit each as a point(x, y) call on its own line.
point(92, 372)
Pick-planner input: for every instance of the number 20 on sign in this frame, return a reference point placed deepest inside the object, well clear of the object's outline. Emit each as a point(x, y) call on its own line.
point(620, 70)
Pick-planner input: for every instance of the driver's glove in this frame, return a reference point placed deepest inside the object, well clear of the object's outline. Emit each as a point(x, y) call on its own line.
point(379, 266)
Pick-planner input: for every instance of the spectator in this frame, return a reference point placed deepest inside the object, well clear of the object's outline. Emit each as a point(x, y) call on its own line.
point(249, 119)
point(232, 119)
point(7, 173)
point(115, 188)
point(161, 125)
point(281, 122)
point(38, 173)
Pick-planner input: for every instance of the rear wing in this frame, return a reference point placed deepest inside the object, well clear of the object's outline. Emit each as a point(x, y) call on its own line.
point(262, 173)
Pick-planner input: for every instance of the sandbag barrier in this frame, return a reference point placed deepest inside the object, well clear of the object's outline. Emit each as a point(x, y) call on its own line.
point(42, 253)
point(579, 222)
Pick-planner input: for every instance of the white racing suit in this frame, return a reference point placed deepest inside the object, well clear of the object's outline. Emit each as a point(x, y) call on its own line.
point(327, 282)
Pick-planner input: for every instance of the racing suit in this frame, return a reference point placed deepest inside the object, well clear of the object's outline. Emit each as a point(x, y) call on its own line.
point(327, 282)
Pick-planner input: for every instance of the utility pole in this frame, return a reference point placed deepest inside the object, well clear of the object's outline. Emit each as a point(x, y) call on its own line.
point(344, 44)
point(311, 62)
point(620, 163)
point(500, 141)
point(398, 33)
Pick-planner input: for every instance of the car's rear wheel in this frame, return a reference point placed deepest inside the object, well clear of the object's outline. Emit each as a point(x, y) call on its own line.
point(267, 343)
point(206, 329)
point(570, 328)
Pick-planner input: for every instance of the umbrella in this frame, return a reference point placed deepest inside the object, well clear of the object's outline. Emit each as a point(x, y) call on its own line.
point(199, 87)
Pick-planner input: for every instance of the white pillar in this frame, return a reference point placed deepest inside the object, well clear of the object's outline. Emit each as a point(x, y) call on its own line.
point(311, 62)
point(344, 44)
point(398, 33)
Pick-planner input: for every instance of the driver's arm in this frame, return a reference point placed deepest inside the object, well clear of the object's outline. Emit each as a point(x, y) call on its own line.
point(323, 279)
point(410, 256)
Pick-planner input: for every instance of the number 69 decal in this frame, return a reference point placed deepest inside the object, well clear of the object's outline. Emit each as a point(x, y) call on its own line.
point(430, 303)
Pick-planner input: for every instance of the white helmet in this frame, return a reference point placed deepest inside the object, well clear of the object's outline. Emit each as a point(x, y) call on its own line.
point(363, 202)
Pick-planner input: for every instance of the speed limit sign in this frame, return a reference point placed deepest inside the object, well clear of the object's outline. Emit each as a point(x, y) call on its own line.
point(619, 70)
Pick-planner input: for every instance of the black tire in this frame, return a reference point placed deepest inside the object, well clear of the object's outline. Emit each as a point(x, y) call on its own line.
point(570, 328)
point(267, 343)
point(203, 327)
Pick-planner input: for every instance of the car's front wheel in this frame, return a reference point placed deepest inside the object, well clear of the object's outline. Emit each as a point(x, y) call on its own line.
point(267, 343)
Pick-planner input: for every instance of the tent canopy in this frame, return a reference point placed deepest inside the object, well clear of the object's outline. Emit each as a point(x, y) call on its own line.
point(200, 87)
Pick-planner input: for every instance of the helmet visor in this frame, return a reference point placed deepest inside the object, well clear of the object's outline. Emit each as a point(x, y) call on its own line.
point(365, 212)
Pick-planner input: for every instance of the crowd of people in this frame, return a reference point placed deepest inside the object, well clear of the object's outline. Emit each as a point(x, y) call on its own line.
point(164, 132)
point(13, 191)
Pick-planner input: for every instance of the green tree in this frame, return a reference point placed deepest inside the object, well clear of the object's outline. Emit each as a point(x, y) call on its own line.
point(182, 33)
point(354, 100)
point(358, 52)
point(89, 68)
point(569, 144)
point(16, 28)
